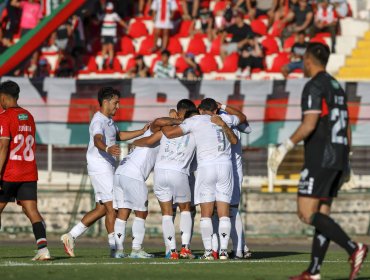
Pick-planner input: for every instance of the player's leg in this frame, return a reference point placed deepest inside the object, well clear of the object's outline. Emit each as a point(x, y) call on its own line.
point(156, 34)
point(165, 38)
point(215, 236)
point(104, 53)
point(2, 207)
point(110, 217)
point(111, 54)
point(120, 230)
point(186, 224)
point(206, 228)
point(138, 233)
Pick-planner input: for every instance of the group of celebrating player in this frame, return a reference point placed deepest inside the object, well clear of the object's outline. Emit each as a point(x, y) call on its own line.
point(196, 157)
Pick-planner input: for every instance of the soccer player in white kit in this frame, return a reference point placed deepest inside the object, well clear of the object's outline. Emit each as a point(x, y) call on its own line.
point(171, 180)
point(214, 181)
point(101, 162)
point(131, 193)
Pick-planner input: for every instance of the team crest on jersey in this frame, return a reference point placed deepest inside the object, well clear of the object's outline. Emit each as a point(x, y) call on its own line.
point(22, 117)
point(335, 84)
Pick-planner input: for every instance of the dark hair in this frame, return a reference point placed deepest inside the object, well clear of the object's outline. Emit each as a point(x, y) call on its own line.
point(166, 52)
point(10, 88)
point(208, 104)
point(301, 33)
point(191, 113)
point(186, 104)
point(319, 52)
point(107, 93)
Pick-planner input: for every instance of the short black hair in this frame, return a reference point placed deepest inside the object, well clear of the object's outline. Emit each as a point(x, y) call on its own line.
point(191, 113)
point(208, 104)
point(107, 93)
point(10, 88)
point(166, 52)
point(319, 52)
point(186, 104)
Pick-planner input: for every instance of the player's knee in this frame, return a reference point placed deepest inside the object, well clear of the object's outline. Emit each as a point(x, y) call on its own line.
point(305, 217)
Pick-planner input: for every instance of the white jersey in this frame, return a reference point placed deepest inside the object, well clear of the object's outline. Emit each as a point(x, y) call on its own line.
point(109, 26)
point(139, 163)
point(99, 162)
point(163, 9)
point(212, 145)
point(176, 154)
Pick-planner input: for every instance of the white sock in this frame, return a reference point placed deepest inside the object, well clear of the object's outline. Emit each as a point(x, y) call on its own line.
point(215, 237)
point(237, 232)
point(206, 230)
point(111, 241)
point(185, 227)
point(138, 232)
point(169, 231)
point(120, 233)
point(78, 230)
point(224, 232)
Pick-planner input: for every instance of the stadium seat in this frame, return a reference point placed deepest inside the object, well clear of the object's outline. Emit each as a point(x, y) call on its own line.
point(208, 63)
point(184, 29)
point(174, 46)
point(126, 46)
point(279, 61)
point(270, 45)
point(196, 46)
point(219, 6)
point(130, 63)
point(216, 46)
point(230, 63)
point(289, 42)
point(146, 45)
point(259, 27)
point(317, 39)
point(90, 67)
point(181, 65)
point(137, 29)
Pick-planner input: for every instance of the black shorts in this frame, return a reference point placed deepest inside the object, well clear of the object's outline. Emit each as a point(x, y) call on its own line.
point(320, 182)
point(108, 40)
point(11, 191)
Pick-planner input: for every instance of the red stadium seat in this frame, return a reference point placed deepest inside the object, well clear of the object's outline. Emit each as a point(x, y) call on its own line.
point(279, 61)
point(219, 7)
point(91, 65)
point(216, 46)
point(130, 64)
point(289, 42)
point(117, 67)
point(126, 46)
point(318, 40)
point(146, 45)
point(323, 35)
point(196, 46)
point(137, 29)
point(181, 65)
point(174, 46)
point(259, 27)
point(208, 63)
point(230, 63)
point(270, 45)
point(184, 30)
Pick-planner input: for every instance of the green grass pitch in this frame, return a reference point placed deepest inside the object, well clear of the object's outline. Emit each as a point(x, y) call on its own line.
point(93, 263)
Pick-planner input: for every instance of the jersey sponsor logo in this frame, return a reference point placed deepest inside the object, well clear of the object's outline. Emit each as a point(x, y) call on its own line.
point(23, 117)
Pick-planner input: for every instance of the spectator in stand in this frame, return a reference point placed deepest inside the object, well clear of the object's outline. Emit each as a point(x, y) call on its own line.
point(251, 57)
point(65, 66)
point(262, 7)
point(109, 33)
point(326, 21)
point(43, 69)
point(163, 13)
point(63, 34)
point(140, 70)
point(341, 7)
point(206, 25)
point(240, 32)
point(50, 45)
point(14, 15)
point(190, 8)
point(141, 6)
point(296, 55)
point(31, 14)
point(162, 68)
point(300, 16)
point(193, 72)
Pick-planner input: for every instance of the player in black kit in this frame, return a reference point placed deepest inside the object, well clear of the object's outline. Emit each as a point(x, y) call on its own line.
point(327, 141)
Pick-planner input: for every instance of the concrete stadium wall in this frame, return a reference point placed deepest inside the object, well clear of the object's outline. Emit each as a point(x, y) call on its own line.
point(265, 214)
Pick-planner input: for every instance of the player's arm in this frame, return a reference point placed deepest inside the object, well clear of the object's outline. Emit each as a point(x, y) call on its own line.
point(113, 150)
point(159, 123)
point(128, 135)
point(148, 141)
point(4, 147)
point(233, 139)
point(172, 131)
point(233, 111)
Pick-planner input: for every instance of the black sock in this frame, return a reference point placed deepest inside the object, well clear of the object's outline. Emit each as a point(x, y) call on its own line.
point(320, 245)
point(40, 235)
point(329, 228)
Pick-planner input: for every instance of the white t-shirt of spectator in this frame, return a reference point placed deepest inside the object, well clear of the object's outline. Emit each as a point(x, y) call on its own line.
point(341, 7)
point(162, 71)
point(99, 162)
point(109, 27)
point(327, 15)
point(163, 9)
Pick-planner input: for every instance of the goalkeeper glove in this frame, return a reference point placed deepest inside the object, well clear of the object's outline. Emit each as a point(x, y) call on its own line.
point(278, 155)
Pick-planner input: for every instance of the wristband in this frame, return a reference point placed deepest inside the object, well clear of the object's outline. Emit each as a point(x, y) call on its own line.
point(106, 149)
point(223, 107)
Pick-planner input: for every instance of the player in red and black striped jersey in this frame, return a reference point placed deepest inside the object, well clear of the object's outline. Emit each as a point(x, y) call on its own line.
point(327, 139)
point(18, 169)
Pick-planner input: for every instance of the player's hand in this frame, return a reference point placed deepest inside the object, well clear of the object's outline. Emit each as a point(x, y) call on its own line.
point(216, 119)
point(114, 150)
point(146, 127)
point(278, 155)
point(173, 114)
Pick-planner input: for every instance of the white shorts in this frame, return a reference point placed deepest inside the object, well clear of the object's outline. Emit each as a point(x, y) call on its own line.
point(171, 185)
point(237, 187)
point(103, 187)
point(214, 183)
point(167, 24)
point(130, 193)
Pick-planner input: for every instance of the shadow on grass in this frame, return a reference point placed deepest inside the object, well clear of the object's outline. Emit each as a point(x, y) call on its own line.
point(255, 255)
point(358, 278)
